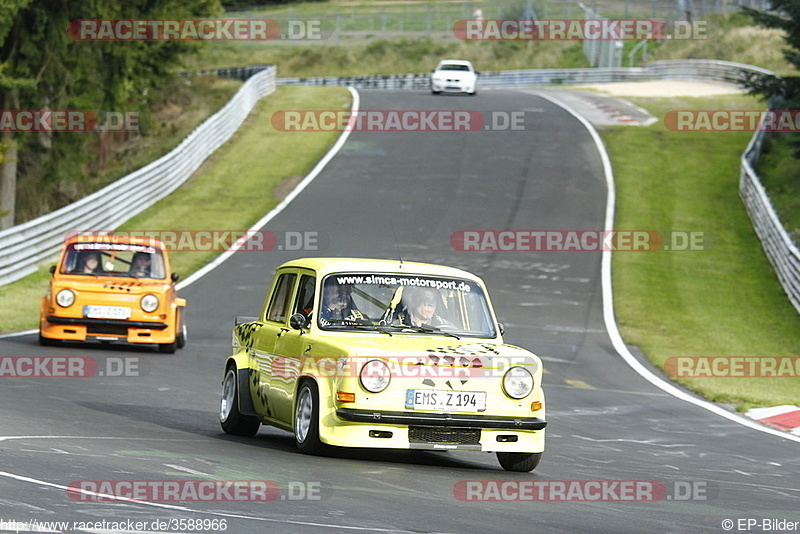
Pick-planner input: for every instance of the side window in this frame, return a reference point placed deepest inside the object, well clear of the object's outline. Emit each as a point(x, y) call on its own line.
point(305, 296)
point(280, 298)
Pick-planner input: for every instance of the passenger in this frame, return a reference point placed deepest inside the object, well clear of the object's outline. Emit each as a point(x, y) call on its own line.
point(88, 263)
point(338, 304)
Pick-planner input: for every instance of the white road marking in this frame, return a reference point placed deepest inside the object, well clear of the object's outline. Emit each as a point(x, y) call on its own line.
point(164, 506)
point(608, 299)
point(285, 202)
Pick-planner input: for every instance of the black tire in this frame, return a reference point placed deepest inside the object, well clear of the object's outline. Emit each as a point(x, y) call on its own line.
point(182, 335)
point(231, 420)
point(306, 419)
point(521, 462)
point(46, 341)
point(168, 348)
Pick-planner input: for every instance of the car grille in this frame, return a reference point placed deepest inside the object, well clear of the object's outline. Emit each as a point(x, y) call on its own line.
point(460, 436)
point(107, 329)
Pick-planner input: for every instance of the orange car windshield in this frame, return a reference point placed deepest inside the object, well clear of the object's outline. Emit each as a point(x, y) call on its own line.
point(114, 259)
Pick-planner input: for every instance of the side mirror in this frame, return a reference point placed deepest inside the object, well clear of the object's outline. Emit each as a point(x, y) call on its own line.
point(501, 328)
point(175, 277)
point(52, 269)
point(298, 321)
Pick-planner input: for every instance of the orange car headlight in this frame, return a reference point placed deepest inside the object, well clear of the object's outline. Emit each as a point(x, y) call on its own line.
point(149, 303)
point(65, 298)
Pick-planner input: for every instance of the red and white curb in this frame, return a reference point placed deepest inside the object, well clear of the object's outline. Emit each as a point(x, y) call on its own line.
point(785, 417)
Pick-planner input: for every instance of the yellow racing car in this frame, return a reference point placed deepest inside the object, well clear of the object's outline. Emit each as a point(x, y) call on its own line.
point(389, 354)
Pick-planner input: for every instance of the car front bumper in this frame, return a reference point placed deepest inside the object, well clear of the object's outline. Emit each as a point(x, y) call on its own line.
point(452, 87)
point(402, 430)
point(83, 329)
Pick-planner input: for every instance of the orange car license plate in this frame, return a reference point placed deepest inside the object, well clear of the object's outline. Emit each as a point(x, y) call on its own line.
point(107, 312)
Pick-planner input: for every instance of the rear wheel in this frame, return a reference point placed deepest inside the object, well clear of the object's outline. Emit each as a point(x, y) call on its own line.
point(519, 461)
point(232, 421)
point(306, 419)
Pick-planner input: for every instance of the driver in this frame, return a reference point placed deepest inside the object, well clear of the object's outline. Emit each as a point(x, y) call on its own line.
point(420, 307)
point(140, 264)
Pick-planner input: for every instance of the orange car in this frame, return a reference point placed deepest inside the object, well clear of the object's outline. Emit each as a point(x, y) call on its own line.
point(113, 289)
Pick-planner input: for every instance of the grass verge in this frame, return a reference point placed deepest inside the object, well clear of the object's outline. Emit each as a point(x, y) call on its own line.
point(721, 301)
point(236, 186)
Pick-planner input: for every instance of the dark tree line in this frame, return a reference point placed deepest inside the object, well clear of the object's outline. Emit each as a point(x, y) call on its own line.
point(43, 68)
point(783, 92)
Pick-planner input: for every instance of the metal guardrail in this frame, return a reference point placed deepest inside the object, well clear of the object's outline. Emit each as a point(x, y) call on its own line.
point(26, 245)
point(697, 69)
point(781, 251)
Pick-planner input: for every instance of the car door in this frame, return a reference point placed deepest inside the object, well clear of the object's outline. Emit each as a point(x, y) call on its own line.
point(263, 351)
point(291, 349)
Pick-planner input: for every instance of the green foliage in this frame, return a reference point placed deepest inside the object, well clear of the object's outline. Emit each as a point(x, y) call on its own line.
point(42, 67)
point(233, 4)
point(783, 93)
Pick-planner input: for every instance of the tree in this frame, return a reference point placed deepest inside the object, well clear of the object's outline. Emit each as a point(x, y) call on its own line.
point(9, 89)
point(42, 67)
point(783, 92)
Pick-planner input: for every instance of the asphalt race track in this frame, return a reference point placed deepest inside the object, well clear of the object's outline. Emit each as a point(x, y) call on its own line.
point(386, 194)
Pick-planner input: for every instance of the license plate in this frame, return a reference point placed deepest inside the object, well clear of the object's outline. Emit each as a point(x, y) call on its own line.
point(107, 312)
point(435, 399)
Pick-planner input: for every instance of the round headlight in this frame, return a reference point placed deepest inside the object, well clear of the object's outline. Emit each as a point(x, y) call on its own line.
point(518, 382)
point(149, 303)
point(65, 298)
point(375, 376)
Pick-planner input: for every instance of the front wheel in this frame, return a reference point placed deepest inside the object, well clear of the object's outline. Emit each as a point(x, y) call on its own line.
point(46, 341)
point(168, 348)
point(231, 419)
point(183, 335)
point(306, 420)
point(521, 462)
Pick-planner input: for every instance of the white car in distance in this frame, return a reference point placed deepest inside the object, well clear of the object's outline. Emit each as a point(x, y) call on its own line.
point(454, 76)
